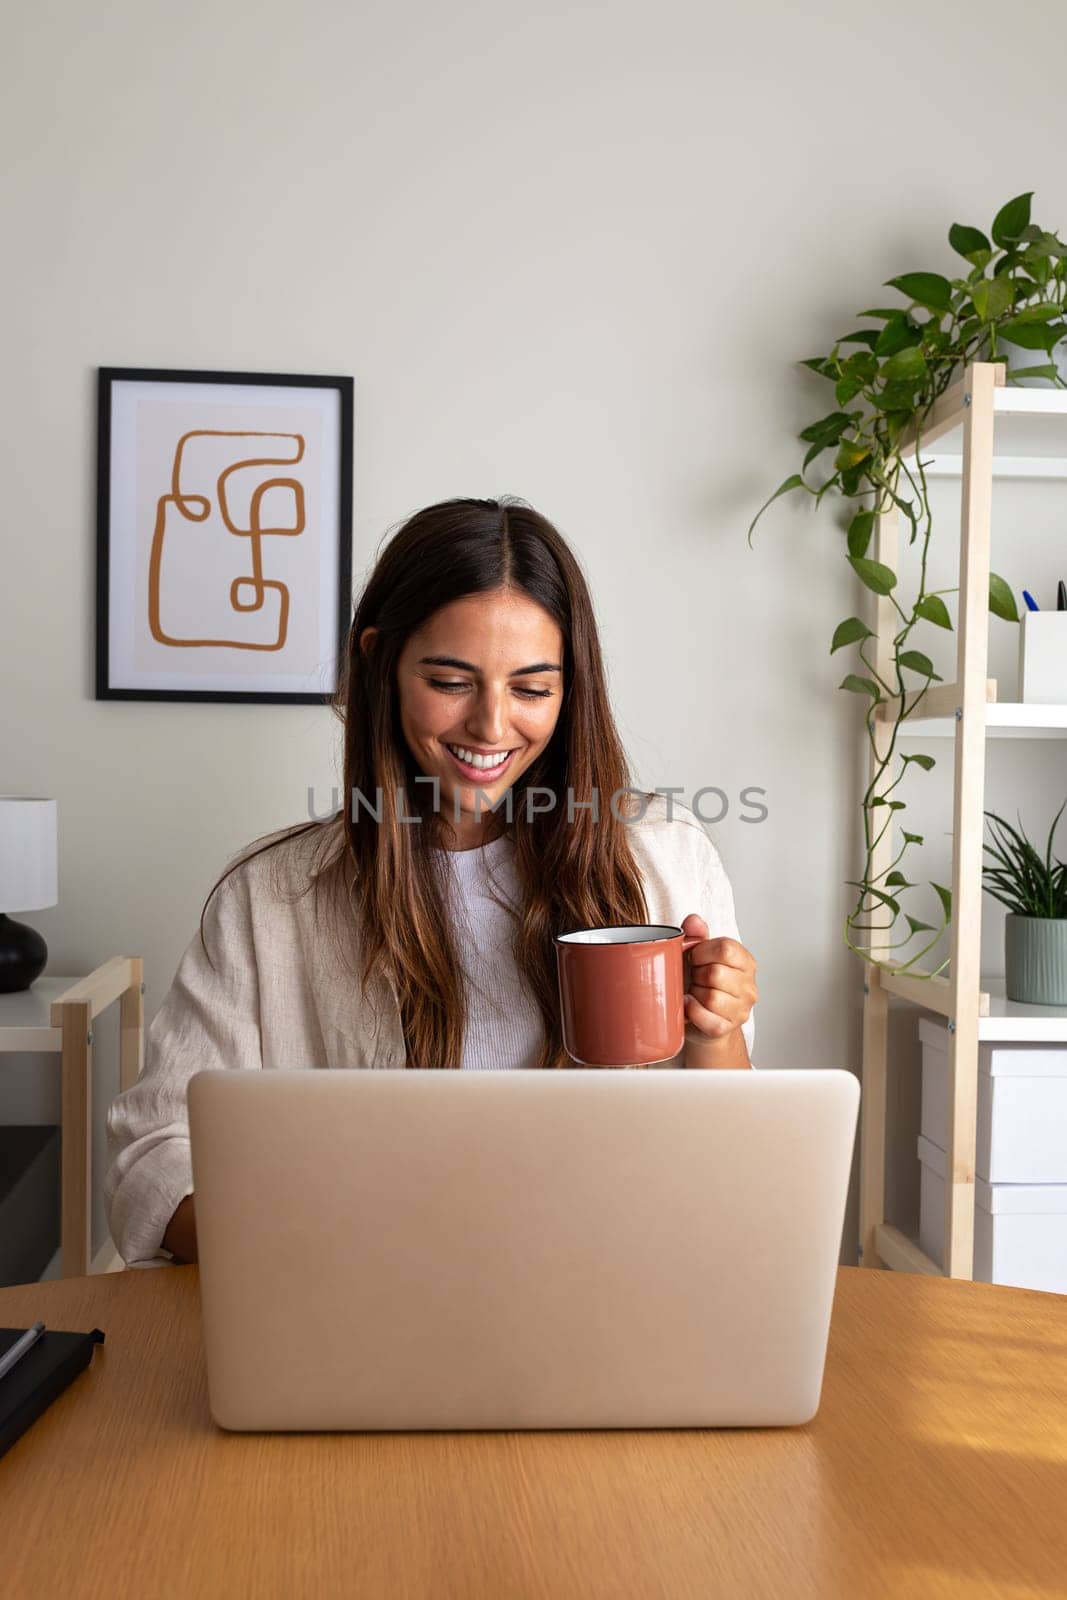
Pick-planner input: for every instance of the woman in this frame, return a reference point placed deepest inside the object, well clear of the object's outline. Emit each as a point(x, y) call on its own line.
point(416, 926)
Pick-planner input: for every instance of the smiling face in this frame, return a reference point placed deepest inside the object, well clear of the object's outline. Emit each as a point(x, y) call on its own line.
point(481, 681)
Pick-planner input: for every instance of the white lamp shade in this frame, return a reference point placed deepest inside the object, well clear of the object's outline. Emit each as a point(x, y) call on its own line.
point(28, 865)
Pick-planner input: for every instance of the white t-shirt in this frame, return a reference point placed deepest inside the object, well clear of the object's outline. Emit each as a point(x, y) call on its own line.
point(504, 1024)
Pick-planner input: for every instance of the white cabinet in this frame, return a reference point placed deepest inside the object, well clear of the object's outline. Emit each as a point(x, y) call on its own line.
point(1022, 1107)
point(1020, 1229)
point(1020, 1160)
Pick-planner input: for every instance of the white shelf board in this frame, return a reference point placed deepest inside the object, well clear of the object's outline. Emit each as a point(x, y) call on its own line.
point(26, 1015)
point(1029, 437)
point(1004, 719)
point(1009, 1020)
point(944, 465)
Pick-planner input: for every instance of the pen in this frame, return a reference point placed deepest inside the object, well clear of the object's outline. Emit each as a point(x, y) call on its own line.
point(19, 1348)
point(1061, 596)
point(1031, 602)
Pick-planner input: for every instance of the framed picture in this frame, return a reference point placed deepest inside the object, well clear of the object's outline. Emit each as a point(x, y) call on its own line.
point(224, 535)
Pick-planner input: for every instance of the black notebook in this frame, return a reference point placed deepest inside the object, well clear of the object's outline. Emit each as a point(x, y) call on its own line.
point(41, 1374)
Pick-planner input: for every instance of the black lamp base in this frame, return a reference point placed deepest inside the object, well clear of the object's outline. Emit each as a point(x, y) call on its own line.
point(23, 954)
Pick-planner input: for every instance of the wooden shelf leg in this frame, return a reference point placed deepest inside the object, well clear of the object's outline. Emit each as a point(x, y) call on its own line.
point(77, 1098)
point(131, 1026)
point(968, 822)
point(873, 1117)
point(875, 998)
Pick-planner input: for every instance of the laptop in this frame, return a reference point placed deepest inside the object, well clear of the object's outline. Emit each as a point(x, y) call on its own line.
point(483, 1250)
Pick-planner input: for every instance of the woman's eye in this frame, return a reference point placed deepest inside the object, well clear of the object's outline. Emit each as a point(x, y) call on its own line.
point(451, 687)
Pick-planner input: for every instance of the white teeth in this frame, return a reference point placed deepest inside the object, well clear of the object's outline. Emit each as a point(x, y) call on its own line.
point(484, 763)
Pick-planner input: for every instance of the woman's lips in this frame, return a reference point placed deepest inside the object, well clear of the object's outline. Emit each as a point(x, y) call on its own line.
point(479, 774)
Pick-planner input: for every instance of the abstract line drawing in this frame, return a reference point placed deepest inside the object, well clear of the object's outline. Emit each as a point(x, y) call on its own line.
point(184, 512)
point(223, 535)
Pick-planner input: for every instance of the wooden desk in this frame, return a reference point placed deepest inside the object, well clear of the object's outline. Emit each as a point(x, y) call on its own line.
point(937, 1465)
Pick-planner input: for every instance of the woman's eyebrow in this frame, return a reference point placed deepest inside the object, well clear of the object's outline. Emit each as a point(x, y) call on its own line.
point(467, 666)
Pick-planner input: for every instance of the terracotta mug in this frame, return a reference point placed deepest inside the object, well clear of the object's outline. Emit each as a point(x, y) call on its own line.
point(620, 992)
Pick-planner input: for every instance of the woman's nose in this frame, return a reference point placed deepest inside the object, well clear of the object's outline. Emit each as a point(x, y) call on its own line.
point(488, 721)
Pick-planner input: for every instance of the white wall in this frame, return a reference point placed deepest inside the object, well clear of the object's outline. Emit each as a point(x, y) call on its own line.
point(567, 251)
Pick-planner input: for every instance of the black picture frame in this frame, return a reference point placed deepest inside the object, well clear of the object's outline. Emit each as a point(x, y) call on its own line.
point(106, 560)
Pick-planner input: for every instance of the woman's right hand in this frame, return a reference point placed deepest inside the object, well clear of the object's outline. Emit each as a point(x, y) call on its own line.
point(180, 1236)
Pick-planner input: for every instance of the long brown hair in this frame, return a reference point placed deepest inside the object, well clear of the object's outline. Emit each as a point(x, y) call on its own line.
point(390, 875)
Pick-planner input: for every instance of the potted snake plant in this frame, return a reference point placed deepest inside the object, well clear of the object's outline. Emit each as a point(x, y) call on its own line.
point(1034, 889)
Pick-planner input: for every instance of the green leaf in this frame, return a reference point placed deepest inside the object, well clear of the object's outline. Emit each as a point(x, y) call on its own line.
point(897, 880)
point(813, 451)
point(933, 609)
point(1001, 600)
point(860, 686)
point(850, 454)
point(965, 241)
point(915, 661)
point(912, 838)
point(945, 897)
point(1031, 335)
point(926, 762)
point(1038, 313)
point(860, 364)
point(1043, 243)
point(848, 632)
point(1040, 267)
point(880, 578)
point(906, 366)
point(847, 389)
point(927, 289)
point(879, 894)
point(860, 530)
point(828, 429)
point(882, 314)
point(898, 334)
point(895, 397)
point(915, 925)
point(1012, 219)
point(816, 363)
point(793, 482)
point(867, 336)
point(992, 297)
point(1051, 371)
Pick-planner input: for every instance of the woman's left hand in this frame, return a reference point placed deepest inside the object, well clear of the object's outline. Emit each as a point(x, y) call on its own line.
point(722, 983)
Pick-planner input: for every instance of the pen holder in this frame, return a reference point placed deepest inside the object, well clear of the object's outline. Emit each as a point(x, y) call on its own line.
point(1043, 657)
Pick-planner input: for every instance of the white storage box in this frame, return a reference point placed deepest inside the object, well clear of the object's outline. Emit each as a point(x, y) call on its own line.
point(1022, 1106)
point(1020, 1229)
point(1043, 657)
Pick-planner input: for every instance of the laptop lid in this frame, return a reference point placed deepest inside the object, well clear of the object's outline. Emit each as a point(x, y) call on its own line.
point(571, 1249)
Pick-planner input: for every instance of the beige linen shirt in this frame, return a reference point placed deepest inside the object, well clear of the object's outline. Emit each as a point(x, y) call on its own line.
point(279, 996)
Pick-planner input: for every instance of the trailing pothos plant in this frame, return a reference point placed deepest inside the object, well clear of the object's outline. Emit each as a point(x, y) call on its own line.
point(885, 379)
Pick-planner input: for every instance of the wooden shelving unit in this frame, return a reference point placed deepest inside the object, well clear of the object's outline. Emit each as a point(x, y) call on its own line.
point(982, 430)
point(55, 1015)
